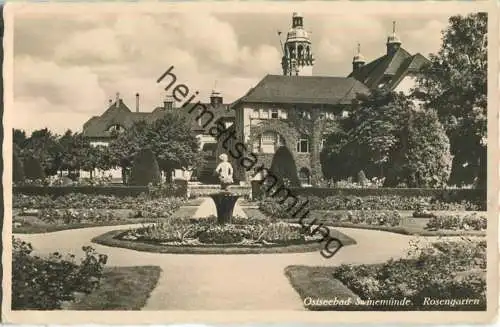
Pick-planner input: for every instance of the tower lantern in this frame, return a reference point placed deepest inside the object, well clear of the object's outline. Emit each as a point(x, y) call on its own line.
point(393, 42)
point(297, 50)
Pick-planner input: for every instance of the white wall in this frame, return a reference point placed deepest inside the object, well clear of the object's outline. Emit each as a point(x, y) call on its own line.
point(406, 84)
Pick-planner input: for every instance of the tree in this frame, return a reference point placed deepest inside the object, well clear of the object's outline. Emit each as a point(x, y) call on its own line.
point(374, 132)
point(19, 138)
point(32, 168)
point(145, 169)
point(427, 159)
point(455, 85)
point(44, 146)
point(284, 168)
point(170, 138)
point(174, 143)
point(17, 168)
point(125, 146)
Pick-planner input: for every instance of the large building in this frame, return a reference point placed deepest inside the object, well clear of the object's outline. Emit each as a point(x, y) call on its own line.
point(295, 109)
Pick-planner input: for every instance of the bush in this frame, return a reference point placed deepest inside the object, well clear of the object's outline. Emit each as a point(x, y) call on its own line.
point(45, 283)
point(33, 169)
point(145, 169)
point(17, 169)
point(284, 168)
point(430, 272)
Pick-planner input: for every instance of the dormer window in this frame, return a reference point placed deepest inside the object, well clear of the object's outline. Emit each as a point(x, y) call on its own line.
point(116, 128)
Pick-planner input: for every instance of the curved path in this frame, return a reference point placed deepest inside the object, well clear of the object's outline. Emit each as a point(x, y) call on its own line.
point(225, 282)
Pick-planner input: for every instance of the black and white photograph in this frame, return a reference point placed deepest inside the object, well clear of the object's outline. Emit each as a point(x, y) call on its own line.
point(289, 162)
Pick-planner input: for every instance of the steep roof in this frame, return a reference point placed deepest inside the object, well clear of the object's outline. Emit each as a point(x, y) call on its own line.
point(389, 69)
point(304, 89)
point(98, 126)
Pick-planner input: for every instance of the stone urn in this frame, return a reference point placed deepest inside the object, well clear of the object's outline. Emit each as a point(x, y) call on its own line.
point(224, 203)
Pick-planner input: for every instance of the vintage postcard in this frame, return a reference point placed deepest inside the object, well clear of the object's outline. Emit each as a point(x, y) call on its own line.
point(240, 162)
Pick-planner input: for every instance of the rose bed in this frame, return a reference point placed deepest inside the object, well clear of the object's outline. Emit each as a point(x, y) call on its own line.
point(240, 236)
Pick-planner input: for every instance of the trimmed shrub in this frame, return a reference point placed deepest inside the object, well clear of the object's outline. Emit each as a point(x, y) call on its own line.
point(17, 169)
point(145, 170)
point(46, 283)
point(33, 169)
point(284, 168)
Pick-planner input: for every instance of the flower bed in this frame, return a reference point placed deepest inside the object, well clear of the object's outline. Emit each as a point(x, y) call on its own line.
point(275, 209)
point(46, 283)
point(455, 222)
point(446, 270)
point(242, 231)
point(78, 200)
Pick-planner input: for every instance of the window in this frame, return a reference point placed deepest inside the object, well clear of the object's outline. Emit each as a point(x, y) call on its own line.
point(255, 113)
point(303, 144)
point(322, 144)
point(270, 142)
point(264, 113)
point(274, 114)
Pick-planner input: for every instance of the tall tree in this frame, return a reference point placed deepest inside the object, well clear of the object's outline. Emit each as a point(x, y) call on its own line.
point(455, 85)
point(44, 146)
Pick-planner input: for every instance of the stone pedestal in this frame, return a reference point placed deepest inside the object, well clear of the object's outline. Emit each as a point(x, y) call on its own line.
point(224, 203)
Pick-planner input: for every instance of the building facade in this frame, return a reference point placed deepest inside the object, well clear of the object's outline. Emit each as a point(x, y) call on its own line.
point(297, 109)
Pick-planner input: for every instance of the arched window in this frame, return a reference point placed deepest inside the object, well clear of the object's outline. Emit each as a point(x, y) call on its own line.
point(300, 49)
point(269, 142)
point(304, 176)
point(116, 128)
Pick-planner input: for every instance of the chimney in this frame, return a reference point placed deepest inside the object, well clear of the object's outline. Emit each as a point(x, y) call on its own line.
point(168, 103)
point(117, 99)
point(137, 102)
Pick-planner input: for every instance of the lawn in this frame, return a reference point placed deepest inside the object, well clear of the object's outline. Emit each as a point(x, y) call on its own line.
point(122, 288)
point(33, 224)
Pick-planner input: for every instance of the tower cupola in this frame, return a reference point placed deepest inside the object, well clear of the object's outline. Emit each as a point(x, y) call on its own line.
point(297, 50)
point(393, 41)
point(358, 60)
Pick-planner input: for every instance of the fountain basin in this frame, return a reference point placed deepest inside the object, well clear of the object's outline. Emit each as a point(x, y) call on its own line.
point(224, 203)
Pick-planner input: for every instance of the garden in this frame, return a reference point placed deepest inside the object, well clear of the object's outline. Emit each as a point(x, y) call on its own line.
point(440, 270)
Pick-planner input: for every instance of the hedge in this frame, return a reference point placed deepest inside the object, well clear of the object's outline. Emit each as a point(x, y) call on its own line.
point(445, 195)
point(120, 191)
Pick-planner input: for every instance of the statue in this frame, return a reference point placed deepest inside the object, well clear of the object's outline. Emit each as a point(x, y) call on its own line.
point(225, 172)
point(224, 201)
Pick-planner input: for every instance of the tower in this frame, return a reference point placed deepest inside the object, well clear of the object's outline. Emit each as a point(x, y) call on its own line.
point(297, 58)
point(393, 42)
point(358, 60)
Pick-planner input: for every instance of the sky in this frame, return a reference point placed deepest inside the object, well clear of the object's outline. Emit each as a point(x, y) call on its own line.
point(67, 67)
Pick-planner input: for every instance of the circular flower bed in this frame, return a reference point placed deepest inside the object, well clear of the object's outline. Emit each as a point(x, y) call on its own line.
point(246, 232)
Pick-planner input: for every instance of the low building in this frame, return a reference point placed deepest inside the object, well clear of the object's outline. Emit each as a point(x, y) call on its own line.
point(118, 117)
